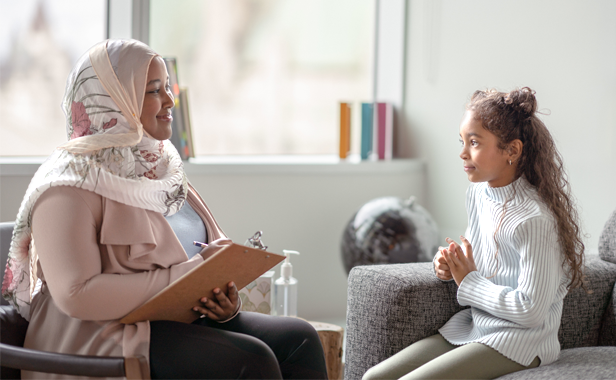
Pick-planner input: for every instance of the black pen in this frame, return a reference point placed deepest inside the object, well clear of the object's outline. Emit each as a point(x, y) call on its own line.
point(199, 244)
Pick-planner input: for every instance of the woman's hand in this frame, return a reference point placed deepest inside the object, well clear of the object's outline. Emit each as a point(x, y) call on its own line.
point(440, 266)
point(459, 263)
point(223, 306)
point(214, 247)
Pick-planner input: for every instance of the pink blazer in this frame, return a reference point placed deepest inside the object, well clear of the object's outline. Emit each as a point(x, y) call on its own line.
point(99, 260)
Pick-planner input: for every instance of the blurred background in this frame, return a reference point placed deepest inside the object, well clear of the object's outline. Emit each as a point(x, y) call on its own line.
point(265, 77)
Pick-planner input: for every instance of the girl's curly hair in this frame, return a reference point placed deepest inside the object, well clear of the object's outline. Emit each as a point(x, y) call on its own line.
point(512, 116)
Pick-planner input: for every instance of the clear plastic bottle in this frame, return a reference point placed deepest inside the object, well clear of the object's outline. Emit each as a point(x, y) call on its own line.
point(285, 289)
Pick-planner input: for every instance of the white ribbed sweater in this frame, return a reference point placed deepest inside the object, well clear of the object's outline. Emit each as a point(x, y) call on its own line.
point(517, 312)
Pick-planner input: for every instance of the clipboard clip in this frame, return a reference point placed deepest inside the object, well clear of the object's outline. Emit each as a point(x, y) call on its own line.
point(255, 241)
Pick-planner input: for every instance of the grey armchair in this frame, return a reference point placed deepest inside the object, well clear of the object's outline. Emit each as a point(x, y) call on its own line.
point(392, 306)
point(14, 358)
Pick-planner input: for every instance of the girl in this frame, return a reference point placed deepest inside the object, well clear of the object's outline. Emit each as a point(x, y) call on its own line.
point(522, 252)
point(91, 241)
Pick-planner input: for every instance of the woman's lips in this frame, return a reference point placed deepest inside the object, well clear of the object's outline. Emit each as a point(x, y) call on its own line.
point(469, 168)
point(167, 118)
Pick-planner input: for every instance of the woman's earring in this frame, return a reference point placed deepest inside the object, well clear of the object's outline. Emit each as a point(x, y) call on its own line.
point(509, 162)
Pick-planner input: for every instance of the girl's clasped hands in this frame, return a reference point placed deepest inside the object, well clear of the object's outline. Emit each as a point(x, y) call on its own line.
point(451, 261)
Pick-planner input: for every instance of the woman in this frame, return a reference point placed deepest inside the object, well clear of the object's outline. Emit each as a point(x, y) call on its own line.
point(91, 242)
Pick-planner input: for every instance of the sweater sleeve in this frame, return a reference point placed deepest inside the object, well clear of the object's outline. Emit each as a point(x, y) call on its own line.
point(65, 238)
point(538, 281)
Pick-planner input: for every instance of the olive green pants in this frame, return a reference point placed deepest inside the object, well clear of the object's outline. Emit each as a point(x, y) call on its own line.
point(436, 358)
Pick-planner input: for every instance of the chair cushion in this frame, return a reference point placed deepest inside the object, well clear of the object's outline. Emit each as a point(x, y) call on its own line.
point(607, 240)
point(574, 363)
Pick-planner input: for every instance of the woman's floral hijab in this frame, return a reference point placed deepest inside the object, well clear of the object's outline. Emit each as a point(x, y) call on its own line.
point(108, 153)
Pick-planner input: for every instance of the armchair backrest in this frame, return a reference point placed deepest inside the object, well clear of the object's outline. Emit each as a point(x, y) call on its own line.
point(607, 240)
point(584, 314)
point(6, 233)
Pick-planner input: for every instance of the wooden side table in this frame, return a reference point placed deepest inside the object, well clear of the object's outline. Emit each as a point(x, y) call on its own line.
point(331, 338)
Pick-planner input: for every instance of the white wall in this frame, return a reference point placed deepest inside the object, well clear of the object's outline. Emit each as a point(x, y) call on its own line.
point(565, 50)
point(304, 207)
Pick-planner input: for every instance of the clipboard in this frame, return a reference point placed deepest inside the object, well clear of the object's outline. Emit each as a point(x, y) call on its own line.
point(235, 262)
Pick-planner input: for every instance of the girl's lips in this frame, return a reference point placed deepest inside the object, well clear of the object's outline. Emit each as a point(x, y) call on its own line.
point(165, 117)
point(469, 168)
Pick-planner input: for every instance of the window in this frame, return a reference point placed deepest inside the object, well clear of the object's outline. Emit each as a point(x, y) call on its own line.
point(40, 41)
point(266, 76)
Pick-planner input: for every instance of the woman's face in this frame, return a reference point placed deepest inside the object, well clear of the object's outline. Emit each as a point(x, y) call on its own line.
point(157, 102)
point(482, 159)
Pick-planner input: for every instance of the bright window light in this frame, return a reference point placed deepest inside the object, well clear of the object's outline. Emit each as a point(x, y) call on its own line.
point(40, 41)
point(265, 77)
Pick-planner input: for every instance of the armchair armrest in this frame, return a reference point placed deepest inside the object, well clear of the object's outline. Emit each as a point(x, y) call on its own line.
point(65, 364)
point(390, 307)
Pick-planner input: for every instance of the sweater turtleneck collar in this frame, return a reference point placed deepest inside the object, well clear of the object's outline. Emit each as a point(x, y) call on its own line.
point(504, 193)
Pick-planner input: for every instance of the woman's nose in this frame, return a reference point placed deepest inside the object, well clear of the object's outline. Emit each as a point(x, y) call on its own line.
point(169, 100)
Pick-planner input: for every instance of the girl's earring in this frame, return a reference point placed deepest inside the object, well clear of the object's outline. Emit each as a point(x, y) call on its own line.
point(509, 162)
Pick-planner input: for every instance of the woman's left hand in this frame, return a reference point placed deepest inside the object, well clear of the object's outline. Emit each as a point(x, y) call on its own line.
point(459, 264)
point(223, 306)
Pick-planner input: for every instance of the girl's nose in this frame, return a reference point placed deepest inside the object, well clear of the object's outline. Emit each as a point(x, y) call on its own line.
point(463, 154)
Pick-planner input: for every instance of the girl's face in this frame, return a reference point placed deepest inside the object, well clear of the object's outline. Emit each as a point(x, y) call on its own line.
point(483, 160)
point(157, 102)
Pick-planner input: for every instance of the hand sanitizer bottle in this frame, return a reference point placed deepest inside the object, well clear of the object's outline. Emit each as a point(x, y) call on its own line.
point(285, 289)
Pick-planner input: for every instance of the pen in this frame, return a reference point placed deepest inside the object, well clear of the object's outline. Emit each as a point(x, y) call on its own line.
point(199, 244)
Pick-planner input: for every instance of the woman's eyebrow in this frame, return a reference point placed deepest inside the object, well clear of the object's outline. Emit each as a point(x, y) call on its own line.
point(153, 81)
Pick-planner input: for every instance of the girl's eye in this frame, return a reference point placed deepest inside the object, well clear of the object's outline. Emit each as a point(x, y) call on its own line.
point(473, 142)
point(154, 91)
point(461, 142)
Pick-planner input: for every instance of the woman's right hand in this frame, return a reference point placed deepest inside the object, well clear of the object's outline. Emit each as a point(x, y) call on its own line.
point(440, 266)
point(214, 247)
point(223, 306)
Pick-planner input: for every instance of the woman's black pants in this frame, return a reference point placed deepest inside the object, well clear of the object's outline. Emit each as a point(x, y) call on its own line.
point(250, 346)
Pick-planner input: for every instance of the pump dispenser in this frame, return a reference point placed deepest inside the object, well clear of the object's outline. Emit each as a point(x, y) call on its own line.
point(285, 289)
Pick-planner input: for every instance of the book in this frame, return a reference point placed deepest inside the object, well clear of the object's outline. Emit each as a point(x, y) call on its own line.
point(234, 262)
point(187, 134)
point(385, 136)
point(345, 130)
point(177, 125)
point(367, 126)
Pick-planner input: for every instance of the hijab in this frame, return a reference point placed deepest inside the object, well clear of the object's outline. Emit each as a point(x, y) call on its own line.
point(108, 153)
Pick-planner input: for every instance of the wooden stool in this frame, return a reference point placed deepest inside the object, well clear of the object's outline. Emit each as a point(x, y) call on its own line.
point(331, 338)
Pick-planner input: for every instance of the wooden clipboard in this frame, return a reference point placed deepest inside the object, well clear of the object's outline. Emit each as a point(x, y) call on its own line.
point(235, 262)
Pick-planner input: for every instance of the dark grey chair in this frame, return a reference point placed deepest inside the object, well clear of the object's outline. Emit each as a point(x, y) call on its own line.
point(14, 357)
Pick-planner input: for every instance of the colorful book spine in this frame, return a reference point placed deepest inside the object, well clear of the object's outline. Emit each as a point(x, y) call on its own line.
point(187, 135)
point(177, 125)
point(385, 130)
point(345, 129)
point(367, 126)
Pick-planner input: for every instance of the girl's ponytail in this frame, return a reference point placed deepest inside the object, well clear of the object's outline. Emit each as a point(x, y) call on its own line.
point(512, 116)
